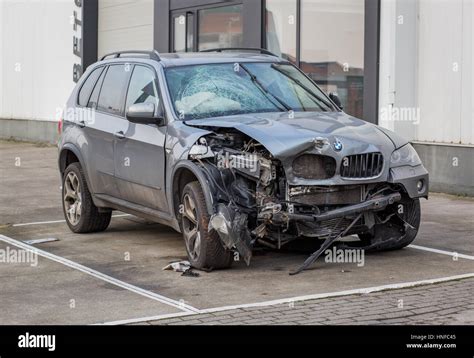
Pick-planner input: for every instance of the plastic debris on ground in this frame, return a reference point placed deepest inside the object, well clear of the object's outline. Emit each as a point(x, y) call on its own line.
point(40, 241)
point(181, 266)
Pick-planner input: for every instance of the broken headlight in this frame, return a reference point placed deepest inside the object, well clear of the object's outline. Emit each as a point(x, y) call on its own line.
point(406, 155)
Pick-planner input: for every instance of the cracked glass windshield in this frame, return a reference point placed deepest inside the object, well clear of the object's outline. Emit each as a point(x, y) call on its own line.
point(216, 90)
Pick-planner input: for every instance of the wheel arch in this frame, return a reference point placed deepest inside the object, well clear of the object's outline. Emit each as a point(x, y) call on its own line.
point(186, 172)
point(70, 154)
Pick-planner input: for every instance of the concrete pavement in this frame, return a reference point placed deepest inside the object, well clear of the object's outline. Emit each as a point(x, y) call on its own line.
point(133, 252)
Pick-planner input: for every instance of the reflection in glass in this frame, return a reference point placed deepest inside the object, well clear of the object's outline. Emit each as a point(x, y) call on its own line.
point(142, 88)
point(332, 48)
point(220, 27)
point(281, 27)
point(179, 34)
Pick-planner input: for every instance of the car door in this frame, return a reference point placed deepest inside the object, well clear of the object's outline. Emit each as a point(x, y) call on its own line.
point(139, 150)
point(106, 102)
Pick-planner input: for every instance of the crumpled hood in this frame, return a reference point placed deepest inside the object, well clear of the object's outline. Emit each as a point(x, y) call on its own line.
point(284, 136)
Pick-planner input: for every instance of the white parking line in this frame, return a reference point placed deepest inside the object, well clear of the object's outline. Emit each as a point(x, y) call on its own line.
point(356, 291)
point(453, 254)
point(154, 296)
point(59, 221)
point(190, 310)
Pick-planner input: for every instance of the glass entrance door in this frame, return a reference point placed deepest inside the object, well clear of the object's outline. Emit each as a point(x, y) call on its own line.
point(207, 27)
point(183, 31)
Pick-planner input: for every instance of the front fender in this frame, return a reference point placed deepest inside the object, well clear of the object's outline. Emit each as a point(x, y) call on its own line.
point(201, 176)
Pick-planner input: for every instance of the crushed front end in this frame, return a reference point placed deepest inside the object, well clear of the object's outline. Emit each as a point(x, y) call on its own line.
point(321, 189)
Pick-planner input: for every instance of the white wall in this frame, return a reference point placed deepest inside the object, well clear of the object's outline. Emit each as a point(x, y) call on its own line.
point(125, 25)
point(36, 58)
point(426, 64)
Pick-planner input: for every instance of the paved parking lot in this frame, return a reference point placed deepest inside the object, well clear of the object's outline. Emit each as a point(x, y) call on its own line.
point(117, 276)
point(443, 303)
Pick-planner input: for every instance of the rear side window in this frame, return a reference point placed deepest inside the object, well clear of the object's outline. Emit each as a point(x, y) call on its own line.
point(112, 93)
point(95, 93)
point(143, 87)
point(86, 89)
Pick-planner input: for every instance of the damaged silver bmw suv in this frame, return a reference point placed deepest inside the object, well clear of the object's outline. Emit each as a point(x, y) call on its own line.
point(234, 148)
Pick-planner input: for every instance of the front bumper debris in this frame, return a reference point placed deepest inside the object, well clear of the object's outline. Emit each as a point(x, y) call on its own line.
point(369, 205)
point(232, 228)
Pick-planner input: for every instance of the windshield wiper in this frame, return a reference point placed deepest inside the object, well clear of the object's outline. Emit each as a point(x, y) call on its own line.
point(299, 83)
point(260, 85)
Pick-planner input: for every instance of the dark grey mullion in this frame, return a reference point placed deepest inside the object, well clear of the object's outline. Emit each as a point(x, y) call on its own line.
point(185, 31)
point(89, 31)
point(196, 30)
point(162, 30)
point(371, 60)
point(298, 33)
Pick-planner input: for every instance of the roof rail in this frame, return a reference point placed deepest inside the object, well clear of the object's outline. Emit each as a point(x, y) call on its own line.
point(261, 50)
point(154, 55)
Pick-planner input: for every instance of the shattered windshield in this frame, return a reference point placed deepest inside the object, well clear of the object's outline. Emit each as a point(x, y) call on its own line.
point(216, 90)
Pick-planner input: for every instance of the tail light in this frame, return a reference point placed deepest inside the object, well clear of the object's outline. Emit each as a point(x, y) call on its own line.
point(60, 126)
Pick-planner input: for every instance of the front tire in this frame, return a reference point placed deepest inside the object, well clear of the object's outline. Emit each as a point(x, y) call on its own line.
point(411, 214)
point(81, 215)
point(204, 248)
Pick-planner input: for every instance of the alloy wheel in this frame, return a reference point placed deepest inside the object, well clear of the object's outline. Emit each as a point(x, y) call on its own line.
point(72, 198)
point(192, 235)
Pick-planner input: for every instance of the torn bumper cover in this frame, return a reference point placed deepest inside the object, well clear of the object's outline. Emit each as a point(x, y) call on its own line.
point(233, 230)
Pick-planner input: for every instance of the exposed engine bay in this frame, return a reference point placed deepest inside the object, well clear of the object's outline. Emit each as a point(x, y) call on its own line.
point(255, 205)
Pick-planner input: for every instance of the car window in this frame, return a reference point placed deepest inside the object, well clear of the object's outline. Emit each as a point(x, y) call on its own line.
point(113, 87)
point(143, 87)
point(86, 89)
point(216, 90)
point(204, 91)
point(95, 93)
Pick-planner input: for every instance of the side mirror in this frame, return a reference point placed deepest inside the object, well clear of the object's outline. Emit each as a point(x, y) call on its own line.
point(144, 113)
point(337, 101)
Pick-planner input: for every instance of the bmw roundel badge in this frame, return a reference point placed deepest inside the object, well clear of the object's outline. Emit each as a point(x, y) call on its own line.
point(337, 145)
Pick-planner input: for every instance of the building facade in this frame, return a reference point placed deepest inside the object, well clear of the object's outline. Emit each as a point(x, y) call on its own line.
point(403, 64)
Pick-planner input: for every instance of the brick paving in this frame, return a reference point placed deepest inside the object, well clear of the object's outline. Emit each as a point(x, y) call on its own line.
point(438, 304)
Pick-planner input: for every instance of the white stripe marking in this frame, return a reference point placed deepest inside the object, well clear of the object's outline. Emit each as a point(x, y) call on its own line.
point(356, 291)
point(145, 319)
point(442, 252)
point(154, 296)
point(59, 221)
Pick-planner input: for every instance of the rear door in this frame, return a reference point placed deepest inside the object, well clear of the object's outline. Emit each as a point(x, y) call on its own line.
point(139, 151)
point(107, 102)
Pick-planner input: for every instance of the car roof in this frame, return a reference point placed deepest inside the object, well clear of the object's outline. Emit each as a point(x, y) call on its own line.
point(198, 58)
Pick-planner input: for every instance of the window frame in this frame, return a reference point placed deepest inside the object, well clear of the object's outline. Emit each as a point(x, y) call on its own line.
point(133, 63)
point(103, 67)
point(158, 108)
point(122, 112)
point(100, 81)
point(186, 13)
point(194, 10)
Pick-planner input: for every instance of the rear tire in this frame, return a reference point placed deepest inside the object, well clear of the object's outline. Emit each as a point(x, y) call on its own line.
point(81, 215)
point(204, 248)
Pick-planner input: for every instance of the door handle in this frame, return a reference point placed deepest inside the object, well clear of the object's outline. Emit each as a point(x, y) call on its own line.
point(119, 135)
point(81, 124)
